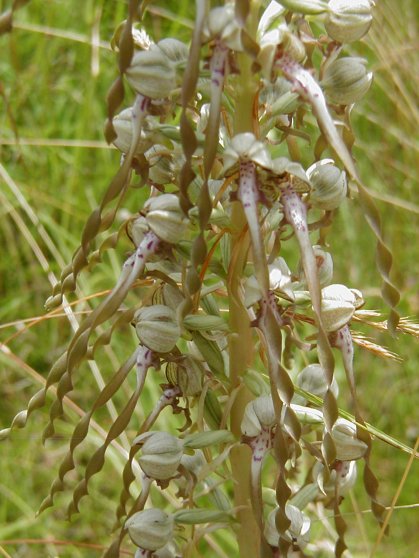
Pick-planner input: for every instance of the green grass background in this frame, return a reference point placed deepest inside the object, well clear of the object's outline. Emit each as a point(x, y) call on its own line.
point(55, 69)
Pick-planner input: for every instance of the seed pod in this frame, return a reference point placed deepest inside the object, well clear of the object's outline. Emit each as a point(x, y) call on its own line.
point(222, 24)
point(306, 7)
point(328, 185)
point(348, 446)
point(157, 328)
point(312, 378)
point(151, 73)
point(259, 415)
point(342, 476)
point(348, 20)
point(165, 218)
point(298, 531)
point(160, 454)
point(346, 80)
point(150, 529)
point(338, 306)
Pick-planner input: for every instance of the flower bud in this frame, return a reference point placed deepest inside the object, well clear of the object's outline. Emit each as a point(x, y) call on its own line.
point(165, 218)
point(338, 306)
point(222, 24)
point(157, 328)
point(160, 454)
point(150, 529)
point(176, 51)
point(137, 228)
point(312, 379)
point(298, 531)
point(348, 20)
point(245, 147)
point(151, 73)
point(328, 185)
point(346, 80)
point(306, 7)
point(259, 415)
point(324, 267)
point(122, 124)
point(348, 446)
point(342, 476)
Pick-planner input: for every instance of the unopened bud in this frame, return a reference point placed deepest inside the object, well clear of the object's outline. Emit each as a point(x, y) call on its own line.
point(157, 328)
point(348, 20)
point(298, 531)
point(348, 446)
point(312, 379)
point(259, 415)
point(338, 306)
point(160, 454)
point(346, 80)
point(151, 73)
point(122, 124)
point(328, 185)
point(306, 7)
point(150, 529)
point(165, 218)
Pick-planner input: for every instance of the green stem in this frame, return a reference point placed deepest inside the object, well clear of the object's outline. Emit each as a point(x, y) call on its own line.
point(240, 346)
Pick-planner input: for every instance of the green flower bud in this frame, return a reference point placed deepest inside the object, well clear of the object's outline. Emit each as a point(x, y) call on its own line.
point(151, 73)
point(176, 51)
point(160, 454)
point(157, 328)
point(312, 378)
point(165, 218)
point(137, 229)
point(328, 185)
point(348, 20)
point(298, 531)
point(348, 446)
point(324, 267)
point(338, 306)
point(259, 415)
point(122, 124)
point(346, 80)
point(150, 529)
point(306, 7)
point(245, 147)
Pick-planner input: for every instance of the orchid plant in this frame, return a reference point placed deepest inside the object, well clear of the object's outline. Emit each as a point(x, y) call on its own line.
point(242, 140)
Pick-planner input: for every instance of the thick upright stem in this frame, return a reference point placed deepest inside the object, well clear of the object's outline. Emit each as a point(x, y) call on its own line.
point(240, 346)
